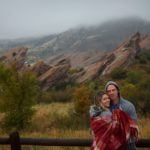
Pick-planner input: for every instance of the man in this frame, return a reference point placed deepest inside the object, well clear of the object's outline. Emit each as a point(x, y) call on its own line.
point(117, 102)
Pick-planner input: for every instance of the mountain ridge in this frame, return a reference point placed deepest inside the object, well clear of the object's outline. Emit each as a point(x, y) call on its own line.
point(105, 36)
point(79, 66)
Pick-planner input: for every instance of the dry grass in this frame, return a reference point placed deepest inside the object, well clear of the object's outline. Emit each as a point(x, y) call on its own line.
point(144, 127)
point(56, 133)
point(43, 126)
point(46, 116)
point(48, 108)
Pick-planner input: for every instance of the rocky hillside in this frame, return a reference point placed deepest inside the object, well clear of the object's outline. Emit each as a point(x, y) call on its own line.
point(79, 66)
point(15, 56)
point(102, 37)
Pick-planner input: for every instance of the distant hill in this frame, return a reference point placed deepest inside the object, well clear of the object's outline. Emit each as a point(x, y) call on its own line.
point(30, 42)
point(104, 37)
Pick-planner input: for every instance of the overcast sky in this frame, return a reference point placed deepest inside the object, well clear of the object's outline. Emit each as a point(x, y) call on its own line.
point(27, 18)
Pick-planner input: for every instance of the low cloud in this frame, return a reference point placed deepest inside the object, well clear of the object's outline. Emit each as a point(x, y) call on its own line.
point(27, 18)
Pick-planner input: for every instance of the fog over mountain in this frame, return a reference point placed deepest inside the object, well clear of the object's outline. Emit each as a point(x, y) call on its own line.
point(32, 18)
point(103, 37)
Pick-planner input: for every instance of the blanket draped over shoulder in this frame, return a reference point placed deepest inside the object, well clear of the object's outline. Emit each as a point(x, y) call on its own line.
point(113, 132)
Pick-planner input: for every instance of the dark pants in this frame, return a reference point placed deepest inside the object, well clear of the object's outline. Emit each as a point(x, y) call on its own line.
point(131, 146)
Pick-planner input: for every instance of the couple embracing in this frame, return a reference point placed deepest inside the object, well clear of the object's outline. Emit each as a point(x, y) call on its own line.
point(113, 121)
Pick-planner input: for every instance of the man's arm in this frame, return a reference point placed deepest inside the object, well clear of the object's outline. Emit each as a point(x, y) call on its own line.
point(132, 112)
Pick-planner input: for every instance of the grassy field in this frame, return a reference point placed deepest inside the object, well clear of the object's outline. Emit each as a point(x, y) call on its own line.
point(44, 125)
point(44, 121)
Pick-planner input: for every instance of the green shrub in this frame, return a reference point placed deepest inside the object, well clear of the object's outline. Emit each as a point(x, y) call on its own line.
point(134, 77)
point(143, 101)
point(145, 84)
point(119, 73)
point(139, 94)
point(18, 93)
point(74, 70)
point(130, 91)
point(57, 96)
point(82, 99)
point(146, 68)
point(144, 56)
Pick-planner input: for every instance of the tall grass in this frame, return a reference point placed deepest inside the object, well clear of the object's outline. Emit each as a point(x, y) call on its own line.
point(53, 121)
point(144, 127)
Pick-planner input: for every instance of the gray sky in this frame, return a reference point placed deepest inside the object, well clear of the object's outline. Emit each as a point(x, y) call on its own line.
point(27, 18)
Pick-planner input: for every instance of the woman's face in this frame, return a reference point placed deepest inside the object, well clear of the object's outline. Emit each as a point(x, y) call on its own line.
point(105, 101)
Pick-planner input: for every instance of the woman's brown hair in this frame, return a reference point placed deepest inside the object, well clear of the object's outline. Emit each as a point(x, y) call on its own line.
point(100, 95)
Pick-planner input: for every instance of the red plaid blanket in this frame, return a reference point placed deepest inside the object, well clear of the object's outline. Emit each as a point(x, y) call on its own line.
point(113, 133)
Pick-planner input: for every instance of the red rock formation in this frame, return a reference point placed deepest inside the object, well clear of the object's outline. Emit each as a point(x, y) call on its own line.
point(56, 74)
point(15, 56)
point(40, 68)
point(92, 63)
point(124, 54)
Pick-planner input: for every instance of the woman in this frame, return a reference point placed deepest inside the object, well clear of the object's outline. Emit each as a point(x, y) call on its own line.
point(112, 130)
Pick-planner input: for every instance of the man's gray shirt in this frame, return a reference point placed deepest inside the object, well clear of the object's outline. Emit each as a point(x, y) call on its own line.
point(127, 107)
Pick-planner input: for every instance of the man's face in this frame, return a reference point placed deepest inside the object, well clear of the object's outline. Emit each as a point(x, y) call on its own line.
point(112, 92)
